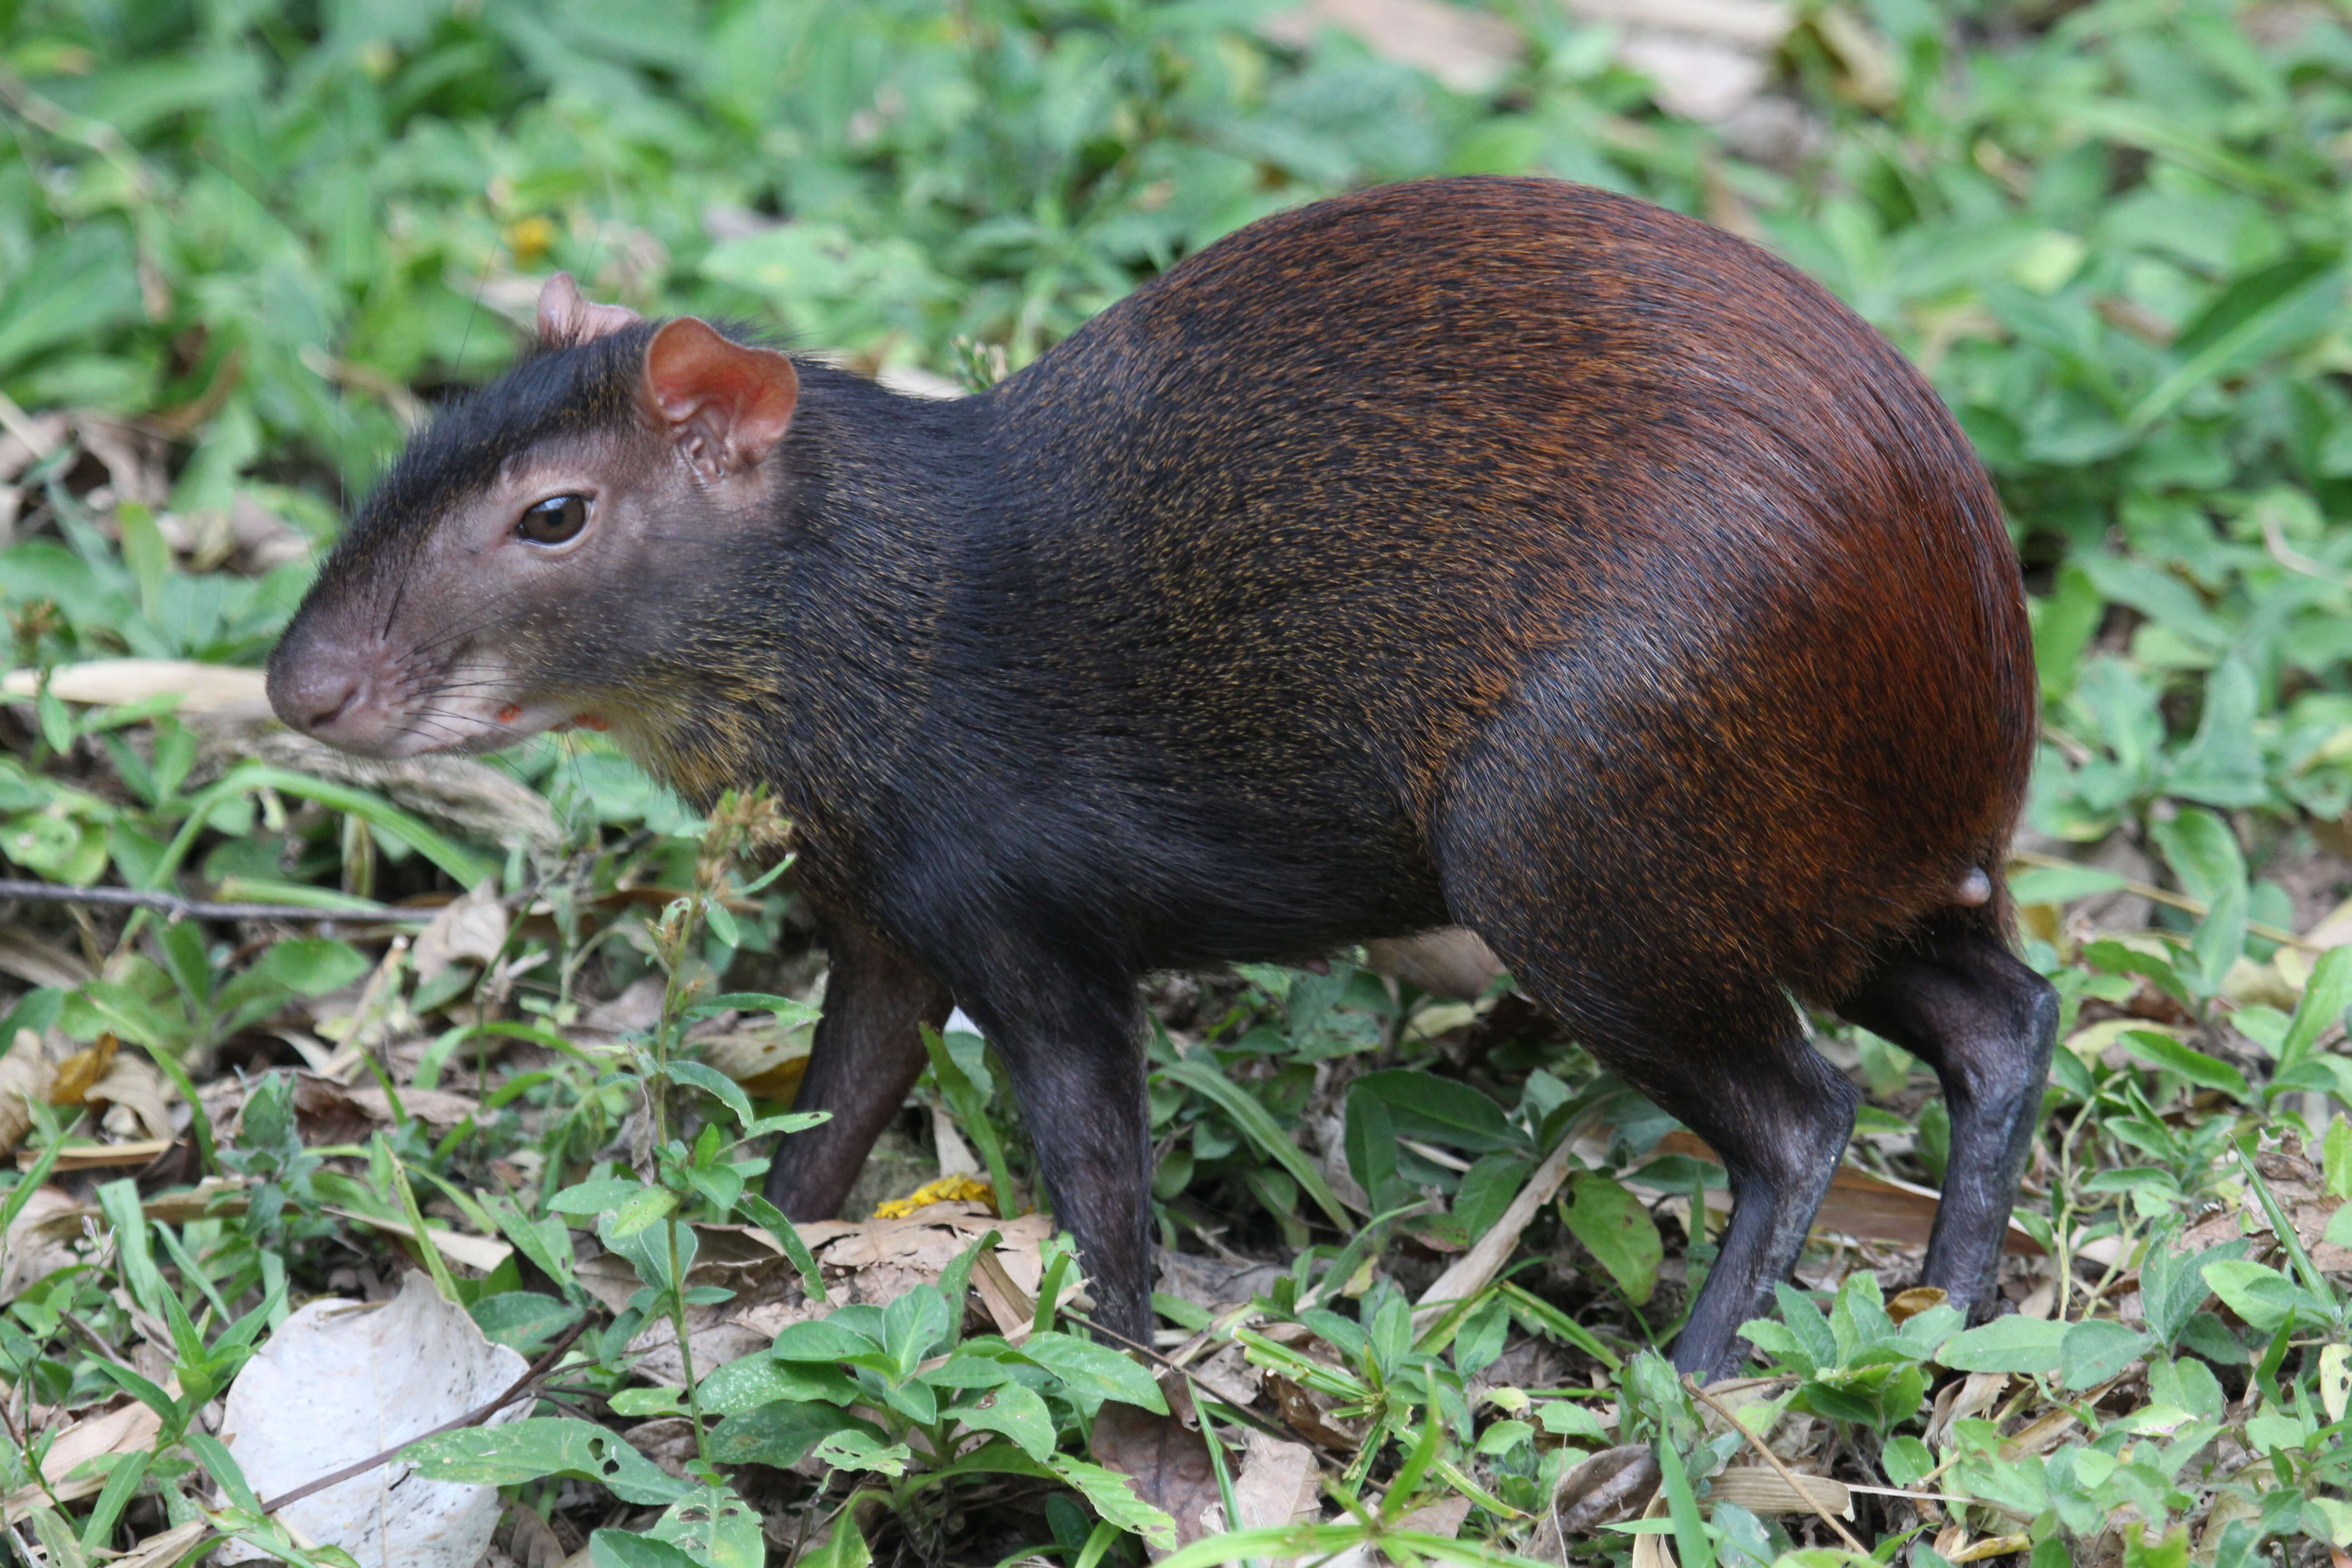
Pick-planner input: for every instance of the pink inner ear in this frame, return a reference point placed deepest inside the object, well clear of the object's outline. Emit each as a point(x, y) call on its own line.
point(702, 384)
point(567, 316)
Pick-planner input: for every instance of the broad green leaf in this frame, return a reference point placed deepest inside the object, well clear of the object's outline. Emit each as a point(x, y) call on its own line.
point(781, 1433)
point(541, 1446)
point(618, 1549)
point(2324, 998)
point(1014, 1410)
point(1618, 1231)
point(2204, 1072)
point(714, 1527)
point(820, 1340)
point(1096, 1369)
point(2016, 1345)
point(2264, 1297)
point(1114, 1498)
point(856, 1450)
point(595, 1197)
point(2096, 1349)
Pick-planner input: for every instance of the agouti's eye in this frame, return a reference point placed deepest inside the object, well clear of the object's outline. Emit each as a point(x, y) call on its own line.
point(555, 521)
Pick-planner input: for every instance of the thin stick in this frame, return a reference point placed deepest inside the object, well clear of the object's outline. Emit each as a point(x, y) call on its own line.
point(1773, 1459)
point(475, 1418)
point(182, 908)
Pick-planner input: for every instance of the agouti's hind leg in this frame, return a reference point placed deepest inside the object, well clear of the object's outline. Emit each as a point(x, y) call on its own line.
point(1734, 1066)
point(1962, 1003)
point(867, 1053)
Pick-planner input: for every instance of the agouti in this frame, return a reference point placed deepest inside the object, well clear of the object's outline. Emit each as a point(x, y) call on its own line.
point(1489, 551)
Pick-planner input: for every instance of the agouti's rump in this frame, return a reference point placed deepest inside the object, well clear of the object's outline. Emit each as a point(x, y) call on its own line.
point(1497, 553)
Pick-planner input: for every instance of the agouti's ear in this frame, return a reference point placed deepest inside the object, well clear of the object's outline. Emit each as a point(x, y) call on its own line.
point(726, 403)
point(567, 316)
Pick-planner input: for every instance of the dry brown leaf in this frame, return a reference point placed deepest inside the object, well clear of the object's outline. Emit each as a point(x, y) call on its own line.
point(1279, 1483)
point(474, 926)
point(40, 1239)
point(1168, 1461)
point(1906, 1305)
point(1860, 1205)
point(101, 1157)
point(27, 1073)
point(434, 1107)
point(169, 1547)
point(1453, 963)
point(1612, 1485)
point(131, 1082)
point(39, 962)
point(1444, 1517)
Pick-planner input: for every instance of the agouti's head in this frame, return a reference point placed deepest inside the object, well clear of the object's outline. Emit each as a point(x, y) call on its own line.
point(542, 547)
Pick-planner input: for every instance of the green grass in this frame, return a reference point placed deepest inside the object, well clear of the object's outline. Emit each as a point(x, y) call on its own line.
point(252, 239)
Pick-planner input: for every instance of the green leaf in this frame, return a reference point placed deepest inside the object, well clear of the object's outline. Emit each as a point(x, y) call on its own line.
point(522, 1320)
point(711, 1082)
point(597, 1196)
point(755, 1380)
point(642, 1209)
point(1113, 1497)
point(1259, 1126)
point(781, 1433)
point(1441, 1110)
point(2203, 853)
point(2204, 1072)
point(820, 1340)
point(1016, 1411)
point(845, 1547)
point(854, 1450)
point(915, 1321)
point(2096, 1349)
point(788, 1012)
point(770, 1219)
point(714, 1527)
point(2264, 1297)
point(2016, 1345)
point(2324, 998)
point(2336, 1149)
point(1098, 1370)
point(1617, 1230)
point(539, 1446)
point(618, 1549)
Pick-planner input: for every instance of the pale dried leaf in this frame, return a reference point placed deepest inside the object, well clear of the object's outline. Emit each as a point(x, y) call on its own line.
point(40, 1239)
point(204, 690)
point(474, 926)
point(27, 1073)
point(1469, 51)
point(39, 962)
point(340, 1383)
point(132, 1081)
point(480, 1253)
point(1759, 1488)
point(1279, 1482)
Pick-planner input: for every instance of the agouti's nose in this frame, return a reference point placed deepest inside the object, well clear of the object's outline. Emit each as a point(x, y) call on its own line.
point(317, 698)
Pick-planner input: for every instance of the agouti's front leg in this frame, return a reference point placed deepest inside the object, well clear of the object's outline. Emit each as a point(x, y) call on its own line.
point(868, 1052)
point(1075, 1049)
